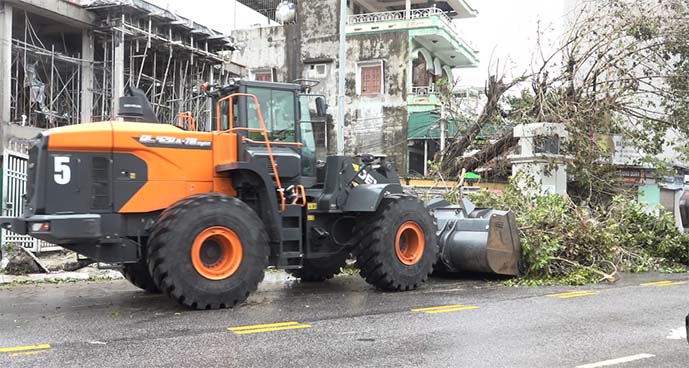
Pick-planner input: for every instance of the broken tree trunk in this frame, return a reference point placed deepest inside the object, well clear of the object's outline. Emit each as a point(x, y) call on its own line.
point(452, 157)
point(499, 148)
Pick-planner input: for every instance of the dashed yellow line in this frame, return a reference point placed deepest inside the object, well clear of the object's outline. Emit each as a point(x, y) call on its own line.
point(468, 307)
point(445, 308)
point(268, 327)
point(25, 348)
point(572, 294)
point(435, 308)
point(664, 283)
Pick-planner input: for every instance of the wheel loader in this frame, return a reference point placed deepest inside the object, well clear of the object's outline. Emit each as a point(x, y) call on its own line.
point(199, 213)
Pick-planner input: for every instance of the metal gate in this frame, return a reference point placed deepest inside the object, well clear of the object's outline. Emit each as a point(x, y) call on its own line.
point(14, 175)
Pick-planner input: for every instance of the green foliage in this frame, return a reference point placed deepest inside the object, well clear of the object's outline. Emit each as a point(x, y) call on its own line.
point(565, 243)
point(622, 70)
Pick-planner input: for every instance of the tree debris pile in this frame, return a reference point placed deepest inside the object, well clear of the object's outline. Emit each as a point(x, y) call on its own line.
point(570, 244)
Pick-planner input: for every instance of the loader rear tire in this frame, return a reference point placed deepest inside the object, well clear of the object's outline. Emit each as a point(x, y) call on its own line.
point(321, 269)
point(137, 274)
point(397, 247)
point(208, 251)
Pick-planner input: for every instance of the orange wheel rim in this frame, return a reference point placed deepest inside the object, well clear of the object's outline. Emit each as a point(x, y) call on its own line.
point(409, 243)
point(216, 253)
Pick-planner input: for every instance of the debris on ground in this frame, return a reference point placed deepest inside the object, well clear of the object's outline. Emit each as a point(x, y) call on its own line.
point(63, 260)
point(21, 262)
point(22, 266)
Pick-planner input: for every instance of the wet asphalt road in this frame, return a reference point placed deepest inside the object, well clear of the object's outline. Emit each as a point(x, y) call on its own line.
point(344, 322)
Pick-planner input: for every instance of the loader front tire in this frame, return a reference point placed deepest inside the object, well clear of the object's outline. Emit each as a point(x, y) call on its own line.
point(397, 247)
point(208, 251)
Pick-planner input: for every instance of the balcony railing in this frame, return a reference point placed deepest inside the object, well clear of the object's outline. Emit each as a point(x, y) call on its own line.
point(423, 90)
point(413, 14)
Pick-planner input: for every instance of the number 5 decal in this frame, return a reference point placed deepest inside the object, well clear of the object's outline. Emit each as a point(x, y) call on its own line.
point(63, 173)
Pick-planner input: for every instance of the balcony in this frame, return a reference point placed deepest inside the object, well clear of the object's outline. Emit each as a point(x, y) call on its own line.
point(431, 28)
point(423, 98)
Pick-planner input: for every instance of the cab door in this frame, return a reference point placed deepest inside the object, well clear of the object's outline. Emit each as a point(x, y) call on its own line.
point(279, 108)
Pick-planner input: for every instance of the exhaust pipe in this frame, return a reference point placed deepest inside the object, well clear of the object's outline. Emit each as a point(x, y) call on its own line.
point(477, 240)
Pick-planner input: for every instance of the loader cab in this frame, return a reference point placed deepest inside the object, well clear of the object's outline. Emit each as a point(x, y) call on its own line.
point(286, 112)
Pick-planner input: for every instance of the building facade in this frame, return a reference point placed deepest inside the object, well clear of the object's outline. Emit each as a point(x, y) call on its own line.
point(397, 51)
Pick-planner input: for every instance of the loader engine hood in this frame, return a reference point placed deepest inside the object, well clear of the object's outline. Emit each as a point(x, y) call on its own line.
point(69, 170)
point(116, 167)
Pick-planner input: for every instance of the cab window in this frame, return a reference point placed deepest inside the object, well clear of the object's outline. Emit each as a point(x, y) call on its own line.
point(277, 108)
point(224, 115)
point(308, 150)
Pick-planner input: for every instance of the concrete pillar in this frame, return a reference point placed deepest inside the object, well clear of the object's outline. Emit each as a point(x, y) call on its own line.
point(407, 9)
point(5, 61)
point(117, 73)
point(87, 76)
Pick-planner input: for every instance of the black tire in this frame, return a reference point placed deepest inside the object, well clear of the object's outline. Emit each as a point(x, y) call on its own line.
point(137, 274)
point(321, 269)
point(170, 251)
point(376, 252)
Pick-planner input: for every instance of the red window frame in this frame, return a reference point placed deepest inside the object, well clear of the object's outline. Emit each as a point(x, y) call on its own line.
point(263, 76)
point(371, 79)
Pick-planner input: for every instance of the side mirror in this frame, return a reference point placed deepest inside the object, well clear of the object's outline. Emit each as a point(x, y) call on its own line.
point(321, 107)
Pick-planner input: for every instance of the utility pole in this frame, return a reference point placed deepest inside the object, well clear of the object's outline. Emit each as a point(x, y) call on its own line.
point(443, 117)
point(341, 79)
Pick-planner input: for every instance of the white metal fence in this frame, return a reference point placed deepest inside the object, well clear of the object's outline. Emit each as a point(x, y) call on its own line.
point(14, 178)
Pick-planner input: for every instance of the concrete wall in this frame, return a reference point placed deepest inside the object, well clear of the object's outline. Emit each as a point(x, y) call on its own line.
point(378, 123)
point(262, 48)
point(373, 124)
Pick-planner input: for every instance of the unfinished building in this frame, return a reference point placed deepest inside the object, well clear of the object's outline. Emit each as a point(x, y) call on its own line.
point(67, 62)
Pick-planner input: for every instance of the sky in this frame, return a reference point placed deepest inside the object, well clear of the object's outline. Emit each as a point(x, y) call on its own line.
point(504, 31)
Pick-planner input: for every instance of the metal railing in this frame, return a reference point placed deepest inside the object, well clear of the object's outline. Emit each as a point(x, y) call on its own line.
point(424, 90)
point(413, 14)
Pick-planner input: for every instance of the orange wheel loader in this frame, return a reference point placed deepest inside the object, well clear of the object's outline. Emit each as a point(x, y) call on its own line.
point(199, 214)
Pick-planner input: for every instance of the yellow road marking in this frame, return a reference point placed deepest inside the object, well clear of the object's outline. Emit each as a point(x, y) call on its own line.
point(469, 307)
point(664, 283)
point(445, 308)
point(434, 308)
point(24, 348)
point(251, 327)
point(295, 327)
point(572, 294)
point(268, 327)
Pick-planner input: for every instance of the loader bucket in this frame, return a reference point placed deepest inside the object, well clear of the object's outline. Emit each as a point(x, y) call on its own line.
point(477, 240)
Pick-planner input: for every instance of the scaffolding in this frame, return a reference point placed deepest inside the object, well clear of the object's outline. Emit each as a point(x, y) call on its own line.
point(133, 43)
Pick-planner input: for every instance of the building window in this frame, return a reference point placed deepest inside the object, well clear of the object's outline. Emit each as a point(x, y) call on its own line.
point(264, 76)
point(370, 78)
point(318, 70)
